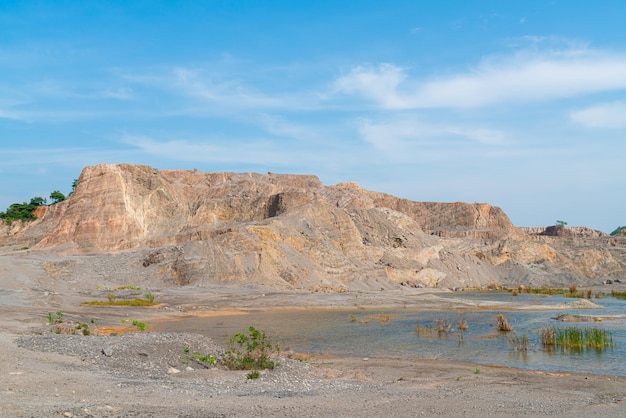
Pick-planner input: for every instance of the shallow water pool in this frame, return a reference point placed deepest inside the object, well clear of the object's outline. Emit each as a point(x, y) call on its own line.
point(362, 333)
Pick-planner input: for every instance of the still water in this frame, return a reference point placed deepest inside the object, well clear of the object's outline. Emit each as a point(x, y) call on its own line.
point(336, 332)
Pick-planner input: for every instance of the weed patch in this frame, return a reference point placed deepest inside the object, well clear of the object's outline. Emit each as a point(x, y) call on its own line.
point(141, 326)
point(60, 326)
point(204, 360)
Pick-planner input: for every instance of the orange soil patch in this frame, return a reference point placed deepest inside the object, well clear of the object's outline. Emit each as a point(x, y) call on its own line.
point(117, 330)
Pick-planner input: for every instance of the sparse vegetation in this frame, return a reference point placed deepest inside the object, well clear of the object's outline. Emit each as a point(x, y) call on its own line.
point(112, 300)
point(383, 318)
point(59, 326)
point(250, 352)
point(56, 318)
point(126, 287)
point(571, 292)
point(141, 326)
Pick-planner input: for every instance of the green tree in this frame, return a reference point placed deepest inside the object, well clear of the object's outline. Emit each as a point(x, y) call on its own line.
point(561, 223)
point(56, 197)
point(37, 201)
point(618, 230)
point(19, 211)
point(74, 183)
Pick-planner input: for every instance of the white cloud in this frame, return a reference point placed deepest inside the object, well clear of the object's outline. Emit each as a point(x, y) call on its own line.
point(607, 115)
point(379, 85)
point(522, 77)
point(398, 134)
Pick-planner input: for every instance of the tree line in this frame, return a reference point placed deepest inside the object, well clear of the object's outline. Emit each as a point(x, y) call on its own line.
point(25, 211)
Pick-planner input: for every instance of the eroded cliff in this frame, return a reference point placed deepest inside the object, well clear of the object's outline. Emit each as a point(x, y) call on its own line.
point(291, 231)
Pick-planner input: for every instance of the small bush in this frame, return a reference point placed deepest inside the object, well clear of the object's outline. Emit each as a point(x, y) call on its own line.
point(250, 352)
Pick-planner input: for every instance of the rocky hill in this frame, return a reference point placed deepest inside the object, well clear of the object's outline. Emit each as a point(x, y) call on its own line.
point(291, 231)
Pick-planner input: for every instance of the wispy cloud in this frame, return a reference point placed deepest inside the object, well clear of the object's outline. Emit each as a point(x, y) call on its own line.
point(229, 92)
point(209, 90)
point(399, 133)
point(224, 151)
point(523, 77)
point(606, 115)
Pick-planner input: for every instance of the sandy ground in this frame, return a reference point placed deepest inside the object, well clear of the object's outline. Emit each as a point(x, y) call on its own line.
point(64, 381)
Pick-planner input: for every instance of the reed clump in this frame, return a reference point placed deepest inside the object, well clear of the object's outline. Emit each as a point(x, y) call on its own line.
point(423, 331)
point(443, 326)
point(618, 294)
point(503, 324)
point(577, 339)
point(544, 290)
point(519, 344)
point(382, 317)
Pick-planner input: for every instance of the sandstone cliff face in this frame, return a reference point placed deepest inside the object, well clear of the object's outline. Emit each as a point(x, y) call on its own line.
point(290, 231)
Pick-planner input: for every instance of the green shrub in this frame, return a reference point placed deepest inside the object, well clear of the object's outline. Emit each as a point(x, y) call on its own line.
point(250, 352)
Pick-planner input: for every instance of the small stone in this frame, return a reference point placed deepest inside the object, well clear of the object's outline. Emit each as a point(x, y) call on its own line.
point(107, 350)
point(189, 369)
point(173, 370)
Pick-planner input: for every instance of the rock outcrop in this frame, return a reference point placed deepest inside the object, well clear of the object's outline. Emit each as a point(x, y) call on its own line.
point(189, 227)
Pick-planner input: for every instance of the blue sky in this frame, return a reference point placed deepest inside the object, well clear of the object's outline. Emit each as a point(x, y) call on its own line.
point(520, 104)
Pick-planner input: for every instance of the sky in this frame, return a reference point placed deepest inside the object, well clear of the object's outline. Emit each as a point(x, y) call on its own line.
point(519, 104)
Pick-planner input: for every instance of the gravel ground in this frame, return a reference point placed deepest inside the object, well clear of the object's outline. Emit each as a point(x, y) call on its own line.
point(149, 375)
